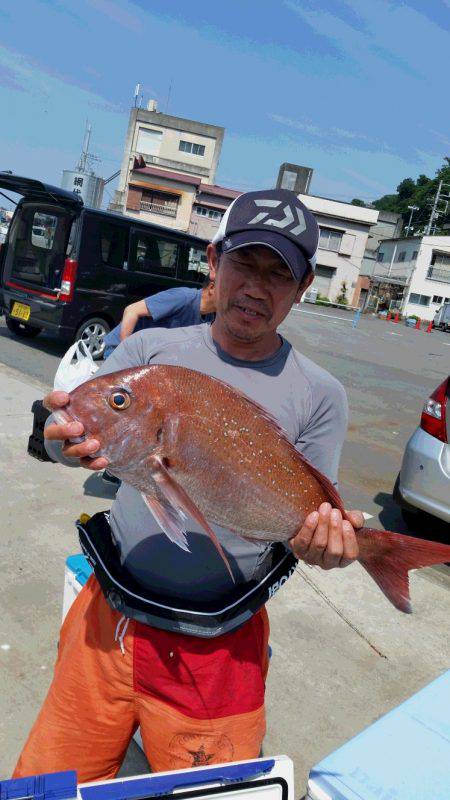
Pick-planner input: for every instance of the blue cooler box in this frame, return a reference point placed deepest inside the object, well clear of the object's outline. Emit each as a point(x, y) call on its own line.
point(405, 755)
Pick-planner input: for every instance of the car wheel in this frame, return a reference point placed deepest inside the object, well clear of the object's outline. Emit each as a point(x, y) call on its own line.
point(92, 332)
point(21, 329)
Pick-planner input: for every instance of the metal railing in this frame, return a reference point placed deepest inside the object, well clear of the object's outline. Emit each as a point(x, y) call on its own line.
point(181, 166)
point(439, 274)
point(158, 208)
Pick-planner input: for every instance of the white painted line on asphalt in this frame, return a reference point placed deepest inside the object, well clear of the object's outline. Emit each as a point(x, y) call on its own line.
point(318, 314)
point(393, 333)
point(367, 516)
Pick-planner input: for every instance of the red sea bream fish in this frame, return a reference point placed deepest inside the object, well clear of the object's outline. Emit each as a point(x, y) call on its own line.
point(194, 446)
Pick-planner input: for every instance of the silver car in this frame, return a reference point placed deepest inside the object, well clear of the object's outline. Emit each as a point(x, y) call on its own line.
point(424, 480)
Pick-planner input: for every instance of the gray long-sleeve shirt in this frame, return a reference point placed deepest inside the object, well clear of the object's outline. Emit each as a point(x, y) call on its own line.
point(308, 402)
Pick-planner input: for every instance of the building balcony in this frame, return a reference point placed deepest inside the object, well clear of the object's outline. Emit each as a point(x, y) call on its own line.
point(440, 274)
point(158, 208)
point(177, 166)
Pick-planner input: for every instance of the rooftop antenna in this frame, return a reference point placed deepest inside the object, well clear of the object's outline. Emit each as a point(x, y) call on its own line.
point(168, 95)
point(137, 91)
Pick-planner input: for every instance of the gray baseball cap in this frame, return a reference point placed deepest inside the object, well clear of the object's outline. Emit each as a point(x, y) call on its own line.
point(275, 218)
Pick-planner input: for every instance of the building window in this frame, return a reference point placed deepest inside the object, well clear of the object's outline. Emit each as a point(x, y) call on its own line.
point(192, 147)
point(380, 257)
point(420, 299)
point(441, 259)
point(402, 255)
point(330, 239)
point(148, 141)
point(159, 203)
point(202, 211)
point(437, 298)
point(439, 269)
point(414, 255)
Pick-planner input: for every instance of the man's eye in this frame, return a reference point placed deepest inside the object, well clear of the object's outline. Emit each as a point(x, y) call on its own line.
point(283, 275)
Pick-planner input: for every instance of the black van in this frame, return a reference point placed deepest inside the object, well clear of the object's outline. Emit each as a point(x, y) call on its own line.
point(71, 270)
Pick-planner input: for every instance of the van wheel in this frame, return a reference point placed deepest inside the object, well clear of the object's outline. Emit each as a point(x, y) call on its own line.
point(20, 328)
point(92, 332)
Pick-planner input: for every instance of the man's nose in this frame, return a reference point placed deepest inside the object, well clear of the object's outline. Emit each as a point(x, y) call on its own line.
point(256, 286)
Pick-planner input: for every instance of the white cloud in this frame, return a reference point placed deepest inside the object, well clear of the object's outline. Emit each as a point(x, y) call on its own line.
point(330, 132)
point(377, 38)
point(124, 14)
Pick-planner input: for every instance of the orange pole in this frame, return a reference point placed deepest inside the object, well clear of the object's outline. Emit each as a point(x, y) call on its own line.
point(417, 325)
point(397, 317)
point(430, 328)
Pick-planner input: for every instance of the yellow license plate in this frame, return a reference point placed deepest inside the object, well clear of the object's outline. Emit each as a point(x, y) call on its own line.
point(21, 311)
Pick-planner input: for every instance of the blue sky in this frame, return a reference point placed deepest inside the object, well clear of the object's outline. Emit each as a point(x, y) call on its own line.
point(356, 89)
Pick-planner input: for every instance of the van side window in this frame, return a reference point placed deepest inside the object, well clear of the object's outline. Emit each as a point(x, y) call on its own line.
point(193, 264)
point(114, 245)
point(153, 254)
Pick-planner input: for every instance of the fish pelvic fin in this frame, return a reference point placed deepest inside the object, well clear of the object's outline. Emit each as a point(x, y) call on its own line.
point(180, 501)
point(169, 520)
point(388, 557)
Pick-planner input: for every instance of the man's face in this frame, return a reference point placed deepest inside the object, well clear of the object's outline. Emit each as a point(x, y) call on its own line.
point(255, 291)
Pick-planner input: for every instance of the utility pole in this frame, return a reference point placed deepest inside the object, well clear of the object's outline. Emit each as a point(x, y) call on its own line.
point(434, 211)
point(412, 209)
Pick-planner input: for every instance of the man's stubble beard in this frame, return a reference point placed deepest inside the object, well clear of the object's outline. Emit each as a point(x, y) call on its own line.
point(240, 334)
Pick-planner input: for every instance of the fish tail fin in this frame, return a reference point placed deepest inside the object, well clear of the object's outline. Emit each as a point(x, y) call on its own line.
point(388, 557)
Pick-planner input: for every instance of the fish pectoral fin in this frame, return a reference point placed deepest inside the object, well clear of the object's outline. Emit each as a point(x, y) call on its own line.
point(170, 520)
point(179, 499)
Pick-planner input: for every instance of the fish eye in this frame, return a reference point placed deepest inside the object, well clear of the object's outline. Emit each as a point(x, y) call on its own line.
point(119, 400)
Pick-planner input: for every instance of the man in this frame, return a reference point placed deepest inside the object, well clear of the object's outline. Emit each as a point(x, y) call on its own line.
point(174, 308)
point(198, 694)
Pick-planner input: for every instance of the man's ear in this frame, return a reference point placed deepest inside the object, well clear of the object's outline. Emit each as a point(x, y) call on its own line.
point(303, 287)
point(213, 260)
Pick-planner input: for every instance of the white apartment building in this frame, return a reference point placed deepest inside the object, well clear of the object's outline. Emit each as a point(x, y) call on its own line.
point(344, 230)
point(418, 269)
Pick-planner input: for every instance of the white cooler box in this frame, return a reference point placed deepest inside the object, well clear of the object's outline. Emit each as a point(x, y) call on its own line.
point(261, 779)
point(405, 755)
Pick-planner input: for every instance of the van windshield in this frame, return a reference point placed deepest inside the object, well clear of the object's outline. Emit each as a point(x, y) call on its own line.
point(38, 243)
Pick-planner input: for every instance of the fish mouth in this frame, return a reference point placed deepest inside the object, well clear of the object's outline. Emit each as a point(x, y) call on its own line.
point(63, 417)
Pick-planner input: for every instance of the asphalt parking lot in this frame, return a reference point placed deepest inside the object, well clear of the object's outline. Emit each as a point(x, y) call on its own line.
point(341, 655)
point(388, 370)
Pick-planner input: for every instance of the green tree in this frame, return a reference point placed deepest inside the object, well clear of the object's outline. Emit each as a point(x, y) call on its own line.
point(419, 193)
point(357, 202)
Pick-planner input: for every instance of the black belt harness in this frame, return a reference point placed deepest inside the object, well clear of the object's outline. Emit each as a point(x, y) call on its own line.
point(206, 620)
